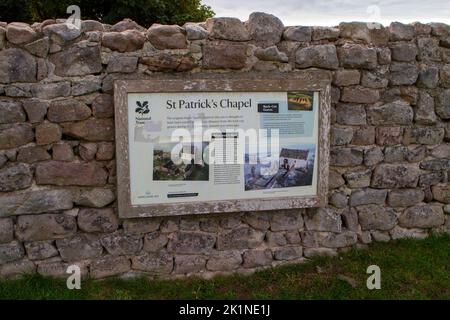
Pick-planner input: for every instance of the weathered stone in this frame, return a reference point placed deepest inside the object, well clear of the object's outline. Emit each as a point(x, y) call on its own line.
point(320, 56)
point(17, 269)
point(358, 179)
point(65, 173)
point(286, 220)
point(297, 33)
point(367, 196)
point(97, 197)
point(323, 219)
point(195, 31)
point(287, 253)
point(441, 193)
point(163, 61)
point(384, 56)
point(398, 113)
point(428, 76)
point(264, 28)
point(97, 220)
point(86, 85)
point(58, 269)
point(346, 157)
point(11, 112)
point(6, 230)
point(79, 247)
point(155, 263)
point(257, 220)
point(428, 49)
point(50, 90)
point(17, 66)
point(90, 129)
point(341, 135)
point(423, 135)
point(61, 33)
point(126, 24)
point(357, 56)
point(395, 154)
point(122, 64)
point(335, 180)
point(312, 239)
point(40, 250)
point(389, 135)
point(439, 29)
point(32, 154)
point(10, 252)
point(224, 261)
point(77, 60)
point(62, 152)
point(350, 114)
point(359, 94)
point(18, 90)
point(338, 199)
point(68, 110)
point(191, 242)
point(39, 47)
point(120, 243)
point(441, 151)
point(403, 73)
point(346, 77)
point(363, 136)
point(340, 240)
point(444, 75)
point(139, 226)
point(405, 197)
point(91, 25)
point(404, 52)
point(15, 177)
point(125, 41)
point(155, 241)
point(319, 252)
point(416, 154)
point(35, 109)
point(241, 238)
point(368, 32)
point(325, 33)
point(431, 178)
point(189, 263)
point(435, 164)
point(422, 216)
point(109, 266)
point(271, 54)
point(87, 151)
point(45, 227)
point(445, 42)
point(103, 106)
point(227, 29)
point(424, 113)
point(20, 33)
point(374, 80)
point(399, 31)
point(47, 133)
point(395, 176)
point(442, 106)
point(380, 236)
point(401, 233)
point(167, 37)
point(376, 217)
point(275, 239)
point(224, 56)
point(257, 258)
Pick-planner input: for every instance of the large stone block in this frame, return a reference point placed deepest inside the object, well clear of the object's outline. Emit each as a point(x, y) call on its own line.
point(6, 230)
point(68, 110)
point(189, 264)
point(35, 109)
point(155, 241)
point(286, 220)
point(167, 37)
point(224, 55)
point(224, 261)
point(164, 61)
point(70, 173)
point(367, 196)
point(350, 114)
point(12, 136)
point(394, 113)
point(241, 238)
point(376, 217)
point(79, 59)
point(79, 247)
point(109, 266)
point(346, 157)
point(404, 52)
point(11, 251)
point(227, 29)
point(257, 258)
point(121, 243)
point(20, 33)
point(395, 176)
point(403, 73)
point(50, 90)
point(424, 113)
point(154, 263)
point(125, 41)
point(298, 34)
point(287, 253)
point(363, 31)
point(441, 192)
point(405, 197)
point(17, 269)
point(323, 219)
point(443, 104)
point(319, 56)
point(15, 177)
point(422, 216)
point(47, 133)
point(97, 220)
point(90, 129)
point(97, 197)
point(142, 225)
point(357, 56)
point(359, 94)
point(40, 250)
point(186, 242)
point(340, 240)
point(17, 65)
point(264, 28)
point(423, 135)
point(399, 31)
point(32, 154)
point(11, 112)
point(45, 227)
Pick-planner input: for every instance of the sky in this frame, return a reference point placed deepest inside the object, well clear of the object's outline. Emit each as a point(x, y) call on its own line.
point(332, 12)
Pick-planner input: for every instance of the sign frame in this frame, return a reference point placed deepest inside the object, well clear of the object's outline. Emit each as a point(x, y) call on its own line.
point(308, 80)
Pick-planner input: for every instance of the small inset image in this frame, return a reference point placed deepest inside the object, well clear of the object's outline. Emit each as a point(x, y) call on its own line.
point(300, 100)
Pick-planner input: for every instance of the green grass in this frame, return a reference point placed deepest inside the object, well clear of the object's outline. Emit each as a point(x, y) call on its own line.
point(410, 269)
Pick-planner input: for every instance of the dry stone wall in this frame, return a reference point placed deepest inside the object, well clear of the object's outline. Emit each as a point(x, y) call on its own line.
point(389, 156)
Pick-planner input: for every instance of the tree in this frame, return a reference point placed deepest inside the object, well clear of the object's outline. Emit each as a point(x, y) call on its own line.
point(144, 12)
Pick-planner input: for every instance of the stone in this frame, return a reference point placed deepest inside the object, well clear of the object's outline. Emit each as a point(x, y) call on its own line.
point(442, 106)
point(52, 90)
point(358, 179)
point(403, 73)
point(155, 241)
point(88, 84)
point(340, 240)
point(395, 154)
point(405, 197)
point(350, 114)
point(47, 133)
point(40, 250)
point(380, 236)
point(441, 151)
point(421, 28)
point(163, 61)
point(109, 266)
point(58, 269)
point(271, 54)
point(441, 193)
point(335, 180)
point(338, 199)
point(287, 253)
point(45, 227)
point(423, 135)
point(103, 106)
point(341, 136)
point(431, 178)
point(346, 77)
point(422, 216)
point(227, 29)
point(120, 243)
point(275, 239)
point(35, 109)
point(140, 226)
point(125, 41)
point(154, 263)
point(61, 33)
point(374, 80)
point(323, 219)
point(362, 31)
point(363, 136)
point(62, 152)
point(90, 129)
point(428, 76)
point(79, 247)
point(11, 251)
point(97, 197)
point(350, 220)
point(319, 56)
point(20, 33)
point(395, 176)
point(240, 238)
point(97, 220)
point(224, 261)
point(32, 154)
point(91, 25)
point(444, 74)
point(357, 56)
point(11, 112)
point(257, 258)
point(195, 31)
point(79, 59)
point(404, 52)
point(319, 252)
point(424, 113)
point(359, 94)
point(105, 151)
point(257, 220)
point(298, 34)
point(389, 135)
point(75, 174)
point(15, 177)
point(39, 47)
point(428, 49)
point(435, 164)
point(18, 91)
point(367, 196)
point(224, 56)
point(6, 230)
point(399, 31)
point(264, 28)
point(439, 29)
point(445, 42)
point(185, 264)
point(68, 110)
point(122, 64)
point(401, 233)
point(17, 269)
point(126, 24)
point(394, 113)
point(325, 33)
point(376, 217)
point(167, 37)
point(17, 66)
point(87, 151)
point(191, 242)
point(286, 220)
point(346, 157)
point(384, 56)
